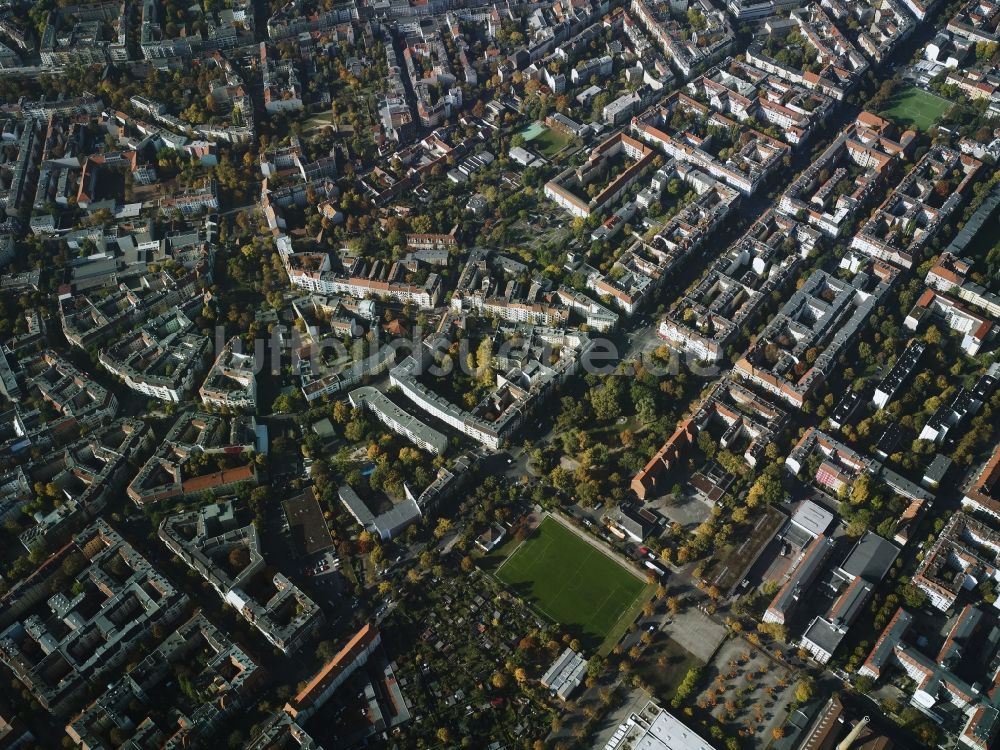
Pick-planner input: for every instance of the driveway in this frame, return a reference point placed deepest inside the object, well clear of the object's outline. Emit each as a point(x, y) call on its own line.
point(636, 699)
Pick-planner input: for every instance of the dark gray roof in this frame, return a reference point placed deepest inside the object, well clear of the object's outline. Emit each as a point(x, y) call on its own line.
point(845, 409)
point(889, 440)
point(634, 521)
point(975, 222)
point(801, 579)
point(938, 468)
point(890, 637)
point(871, 558)
point(823, 634)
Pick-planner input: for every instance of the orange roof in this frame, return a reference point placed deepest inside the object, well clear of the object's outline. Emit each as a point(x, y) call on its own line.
point(926, 298)
point(946, 273)
point(872, 121)
point(218, 479)
point(361, 640)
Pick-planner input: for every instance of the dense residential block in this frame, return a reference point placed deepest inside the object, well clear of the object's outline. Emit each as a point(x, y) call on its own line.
point(219, 544)
point(114, 602)
point(798, 348)
point(471, 359)
point(226, 681)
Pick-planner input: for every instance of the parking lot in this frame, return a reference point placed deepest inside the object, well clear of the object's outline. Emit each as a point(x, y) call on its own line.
point(747, 691)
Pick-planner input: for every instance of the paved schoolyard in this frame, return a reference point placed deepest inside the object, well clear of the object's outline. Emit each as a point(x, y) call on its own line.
point(696, 632)
point(687, 509)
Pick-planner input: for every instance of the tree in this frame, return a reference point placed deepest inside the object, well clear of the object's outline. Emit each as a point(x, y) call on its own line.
point(326, 650)
point(444, 526)
point(687, 686)
point(914, 597)
point(707, 444)
point(985, 51)
point(858, 525)
point(239, 558)
point(365, 540)
point(606, 399)
point(484, 358)
point(499, 680)
point(765, 490)
point(861, 489)
point(776, 630)
point(803, 691)
point(444, 735)
point(467, 565)
point(520, 675)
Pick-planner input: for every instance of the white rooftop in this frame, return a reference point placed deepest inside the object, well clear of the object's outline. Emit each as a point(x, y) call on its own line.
point(812, 518)
point(655, 729)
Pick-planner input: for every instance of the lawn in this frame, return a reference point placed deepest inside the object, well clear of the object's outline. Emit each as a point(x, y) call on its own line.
point(549, 142)
point(663, 680)
point(572, 582)
point(915, 107)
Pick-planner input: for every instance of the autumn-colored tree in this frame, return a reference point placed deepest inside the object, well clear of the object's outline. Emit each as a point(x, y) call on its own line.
point(444, 525)
point(364, 541)
point(239, 558)
point(803, 691)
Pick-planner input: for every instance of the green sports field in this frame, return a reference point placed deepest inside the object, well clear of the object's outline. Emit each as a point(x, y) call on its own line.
point(572, 582)
point(544, 140)
point(913, 107)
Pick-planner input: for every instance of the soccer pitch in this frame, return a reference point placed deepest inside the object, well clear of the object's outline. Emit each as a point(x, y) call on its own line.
point(571, 582)
point(915, 107)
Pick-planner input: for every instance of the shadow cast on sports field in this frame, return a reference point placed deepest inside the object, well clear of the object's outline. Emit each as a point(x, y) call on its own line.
point(589, 642)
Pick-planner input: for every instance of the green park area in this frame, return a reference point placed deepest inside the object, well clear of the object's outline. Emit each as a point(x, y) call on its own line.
point(573, 583)
point(913, 107)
